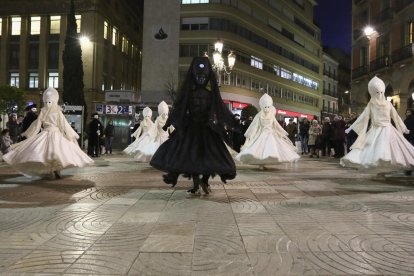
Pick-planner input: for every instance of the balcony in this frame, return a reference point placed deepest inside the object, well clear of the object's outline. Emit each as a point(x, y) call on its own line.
point(330, 110)
point(384, 15)
point(330, 74)
point(359, 71)
point(330, 93)
point(379, 63)
point(403, 53)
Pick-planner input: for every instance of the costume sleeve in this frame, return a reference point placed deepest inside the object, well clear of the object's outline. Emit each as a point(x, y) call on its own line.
point(360, 125)
point(68, 130)
point(279, 129)
point(137, 132)
point(252, 131)
point(399, 123)
point(34, 127)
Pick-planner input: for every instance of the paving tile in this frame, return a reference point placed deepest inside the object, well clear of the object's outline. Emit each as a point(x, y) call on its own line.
point(162, 264)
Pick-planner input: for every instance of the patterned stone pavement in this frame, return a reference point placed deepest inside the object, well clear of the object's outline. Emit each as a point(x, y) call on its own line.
point(118, 218)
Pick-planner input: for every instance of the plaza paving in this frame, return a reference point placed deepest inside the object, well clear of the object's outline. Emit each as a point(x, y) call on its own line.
point(119, 218)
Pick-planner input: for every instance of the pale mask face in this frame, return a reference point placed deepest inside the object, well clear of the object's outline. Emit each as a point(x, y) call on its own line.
point(266, 109)
point(147, 118)
point(164, 115)
point(48, 103)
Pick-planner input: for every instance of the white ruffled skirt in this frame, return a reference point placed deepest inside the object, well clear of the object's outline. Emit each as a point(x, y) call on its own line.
point(138, 145)
point(385, 149)
point(268, 148)
point(46, 152)
point(145, 153)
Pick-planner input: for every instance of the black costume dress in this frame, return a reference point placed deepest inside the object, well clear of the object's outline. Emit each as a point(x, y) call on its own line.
point(200, 119)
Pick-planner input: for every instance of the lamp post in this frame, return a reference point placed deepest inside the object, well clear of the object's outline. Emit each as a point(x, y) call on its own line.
point(218, 61)
point(369, 33)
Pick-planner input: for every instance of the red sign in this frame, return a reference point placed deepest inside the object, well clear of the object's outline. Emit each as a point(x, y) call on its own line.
point(293, 114)
point(238, 105)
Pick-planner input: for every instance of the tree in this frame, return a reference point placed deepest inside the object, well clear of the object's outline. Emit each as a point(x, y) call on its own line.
point(73, 86)
point(170, 85)
point(248, 111)
point(11, 99)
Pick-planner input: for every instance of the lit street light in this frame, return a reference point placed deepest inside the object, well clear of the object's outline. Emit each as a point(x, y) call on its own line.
point(218, 61)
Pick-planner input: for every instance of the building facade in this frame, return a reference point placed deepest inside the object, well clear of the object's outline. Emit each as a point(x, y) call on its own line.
point(385, 49)
point(330, 86)
point(32, 43)
point(277, 49)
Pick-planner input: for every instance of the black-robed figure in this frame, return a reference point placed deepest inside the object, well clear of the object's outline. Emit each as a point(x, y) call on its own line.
point(196, 148)
point(29, 118)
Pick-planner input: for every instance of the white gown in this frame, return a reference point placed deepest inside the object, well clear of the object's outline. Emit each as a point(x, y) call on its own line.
point(157, 136)
point(383, 148)
point(267, 142)
point(140, 141)
point(53, 149)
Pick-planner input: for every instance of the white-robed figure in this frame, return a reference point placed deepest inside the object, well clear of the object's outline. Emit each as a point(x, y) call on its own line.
point(51, 143)
point(156, 134)
point(141, 139)
point(383, 147)
point(266, 141)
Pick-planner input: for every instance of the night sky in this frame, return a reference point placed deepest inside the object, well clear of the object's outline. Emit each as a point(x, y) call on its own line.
point(334, 19)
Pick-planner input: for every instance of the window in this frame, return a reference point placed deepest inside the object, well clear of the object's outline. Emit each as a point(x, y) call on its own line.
point(106, 27)
point(16, 25)
point(1, 25)
point(53, 80)
point(124, 44)
point(114, 36)
point(33, 80)
point(256, 62)
point(33, 56)
point(78, 23)
point(35, 25)
point(14, 79)
point(14, 56)
point(55, 24)
point(53, 56)
point(286, 74)
point(194, 1)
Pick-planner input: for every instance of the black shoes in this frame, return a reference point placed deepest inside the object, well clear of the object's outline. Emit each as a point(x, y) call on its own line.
point(170, 178)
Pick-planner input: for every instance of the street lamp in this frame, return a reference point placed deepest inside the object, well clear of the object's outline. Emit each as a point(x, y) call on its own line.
point(218, 61)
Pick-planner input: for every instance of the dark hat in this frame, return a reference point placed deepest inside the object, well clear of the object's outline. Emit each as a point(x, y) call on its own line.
point(94, 114)
point(29, 107)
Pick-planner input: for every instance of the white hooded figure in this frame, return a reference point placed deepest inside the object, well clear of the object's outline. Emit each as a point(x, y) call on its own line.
point(266, 141)
point(156, 133)
point(51, 143)
point(383, 147)
point(141, 137)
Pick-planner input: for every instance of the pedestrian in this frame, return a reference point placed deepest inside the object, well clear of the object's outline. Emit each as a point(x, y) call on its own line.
point(29, 117)
point(109, 136)
point(238, 134)
point(141, 139)
point(339, 127)
point(197, 146)
point(383, 148)
point(327, 135)
point(304, 135)
point(409, 123)
point(6, 141)
point(266, 141)
point(50, 150)
point(95, 131)
point(157, 135)
point(292, 129)
point(315, 138)
point(13, 126)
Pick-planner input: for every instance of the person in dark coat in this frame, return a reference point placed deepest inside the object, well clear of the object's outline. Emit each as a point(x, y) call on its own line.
point(95, 130)
point(29, 118)
point(238, 134)
point(292, 130)
point(409, 123)
point(197, 146)
point(304, 135)
point(339, 127)
point(327, 135)
point(109, 136)
point(14, 129)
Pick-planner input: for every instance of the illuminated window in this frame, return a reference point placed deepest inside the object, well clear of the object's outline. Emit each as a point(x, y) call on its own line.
point(106, 27)
point(1, 24)
point(16, 25)
point(256, 62)
point(78, 22)
point(14, 79)
point(194, 1)
point(33, 80)
point(123, 44)
point(286, 74)
point(53, 80)
point(55, 24)
point(35, 25)
point(114, 36)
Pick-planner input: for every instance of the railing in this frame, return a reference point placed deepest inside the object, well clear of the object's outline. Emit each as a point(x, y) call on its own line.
point(379, 63)
point(330, 74)
point(330, 93)
point(383, 16)
point(359, 71)
point(403, 53)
